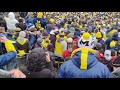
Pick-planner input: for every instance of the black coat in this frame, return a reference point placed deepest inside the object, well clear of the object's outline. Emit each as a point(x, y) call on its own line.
point(108, 64)
point(47, 72)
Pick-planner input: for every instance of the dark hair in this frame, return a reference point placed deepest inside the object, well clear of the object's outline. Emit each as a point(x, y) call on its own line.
point(36, 60)
point(116, 62)
point(113, 53)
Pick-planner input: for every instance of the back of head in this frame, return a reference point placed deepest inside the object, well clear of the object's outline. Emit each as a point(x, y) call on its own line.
point(30, 14)
point(99, 35)
point(116, 62)
point(86, 41)
point(50, 46)
point(39, 40)
point(11, 15)
point(107, 55)
point(113, 53)
point(98, 46)
point(112, 44)
point(22, 34)
point(69, 40)
point(36, 60)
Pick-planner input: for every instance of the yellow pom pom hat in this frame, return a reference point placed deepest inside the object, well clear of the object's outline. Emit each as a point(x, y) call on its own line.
point(86, 41)
point(112, 44)
point(40, 14)
point(99, 35)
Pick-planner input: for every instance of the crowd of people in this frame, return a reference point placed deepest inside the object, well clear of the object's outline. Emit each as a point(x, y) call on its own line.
point(84, 44)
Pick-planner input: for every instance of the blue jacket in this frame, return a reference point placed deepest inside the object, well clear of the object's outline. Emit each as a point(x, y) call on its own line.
point(7, 58)
point(8, 36)
point(42, 21)
point(32, 39)
point(29, 20)
point(114, 48)
point(71, 68)
point(76, 33)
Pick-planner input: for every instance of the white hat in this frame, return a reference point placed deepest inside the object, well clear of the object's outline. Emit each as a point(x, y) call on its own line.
point(69, 40)
point(86, 41)
point(107, 55)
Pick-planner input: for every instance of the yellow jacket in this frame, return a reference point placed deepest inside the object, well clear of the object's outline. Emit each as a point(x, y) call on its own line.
point(9, 46)
point(58, 48)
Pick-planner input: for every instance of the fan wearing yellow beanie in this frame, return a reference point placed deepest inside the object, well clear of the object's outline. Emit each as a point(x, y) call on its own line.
point(113, 46)
point(100, 39)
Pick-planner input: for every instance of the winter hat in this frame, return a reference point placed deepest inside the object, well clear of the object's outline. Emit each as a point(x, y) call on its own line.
point(40, 14)
point(18, 29)
point(61, 33)
point(86, 41)
point(98, 35)
point(116, 62)
point(31, 26)
point(69, 40)
point(39, 40)
point(11, 15)
point(45, 34)
point(51, 20)
point(112, 44)
point(107, 55)
point(22, 34)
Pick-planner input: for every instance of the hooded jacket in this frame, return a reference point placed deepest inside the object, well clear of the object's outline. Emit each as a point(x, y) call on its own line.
point(11, 21)
point(95, 69)
point(43, 21)
point(116, 73)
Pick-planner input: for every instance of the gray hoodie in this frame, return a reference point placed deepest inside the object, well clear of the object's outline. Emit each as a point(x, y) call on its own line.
point(116, 73)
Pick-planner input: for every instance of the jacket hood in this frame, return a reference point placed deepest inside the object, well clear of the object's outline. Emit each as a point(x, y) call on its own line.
point(91, 60)
point(11, 15)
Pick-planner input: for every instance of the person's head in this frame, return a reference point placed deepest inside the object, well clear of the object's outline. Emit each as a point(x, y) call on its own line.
point(39, 40)
point(30, 14)
point(11, 15)
point(18, 30)
point(51, 21)
point(61, 34)
point(50, 47)
point(86, 41)
point(69, 40)
point(11, 32)
point(113, 53)
point(98, 46)
point(70, 48)
point(116, 63)
point(36, 60)
point(2, 29)
point(22, 34)
point(112, 44)
point(49, 27)
point(45, 35)
point(107, 55)
point(99, 35)
point(39, 14)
